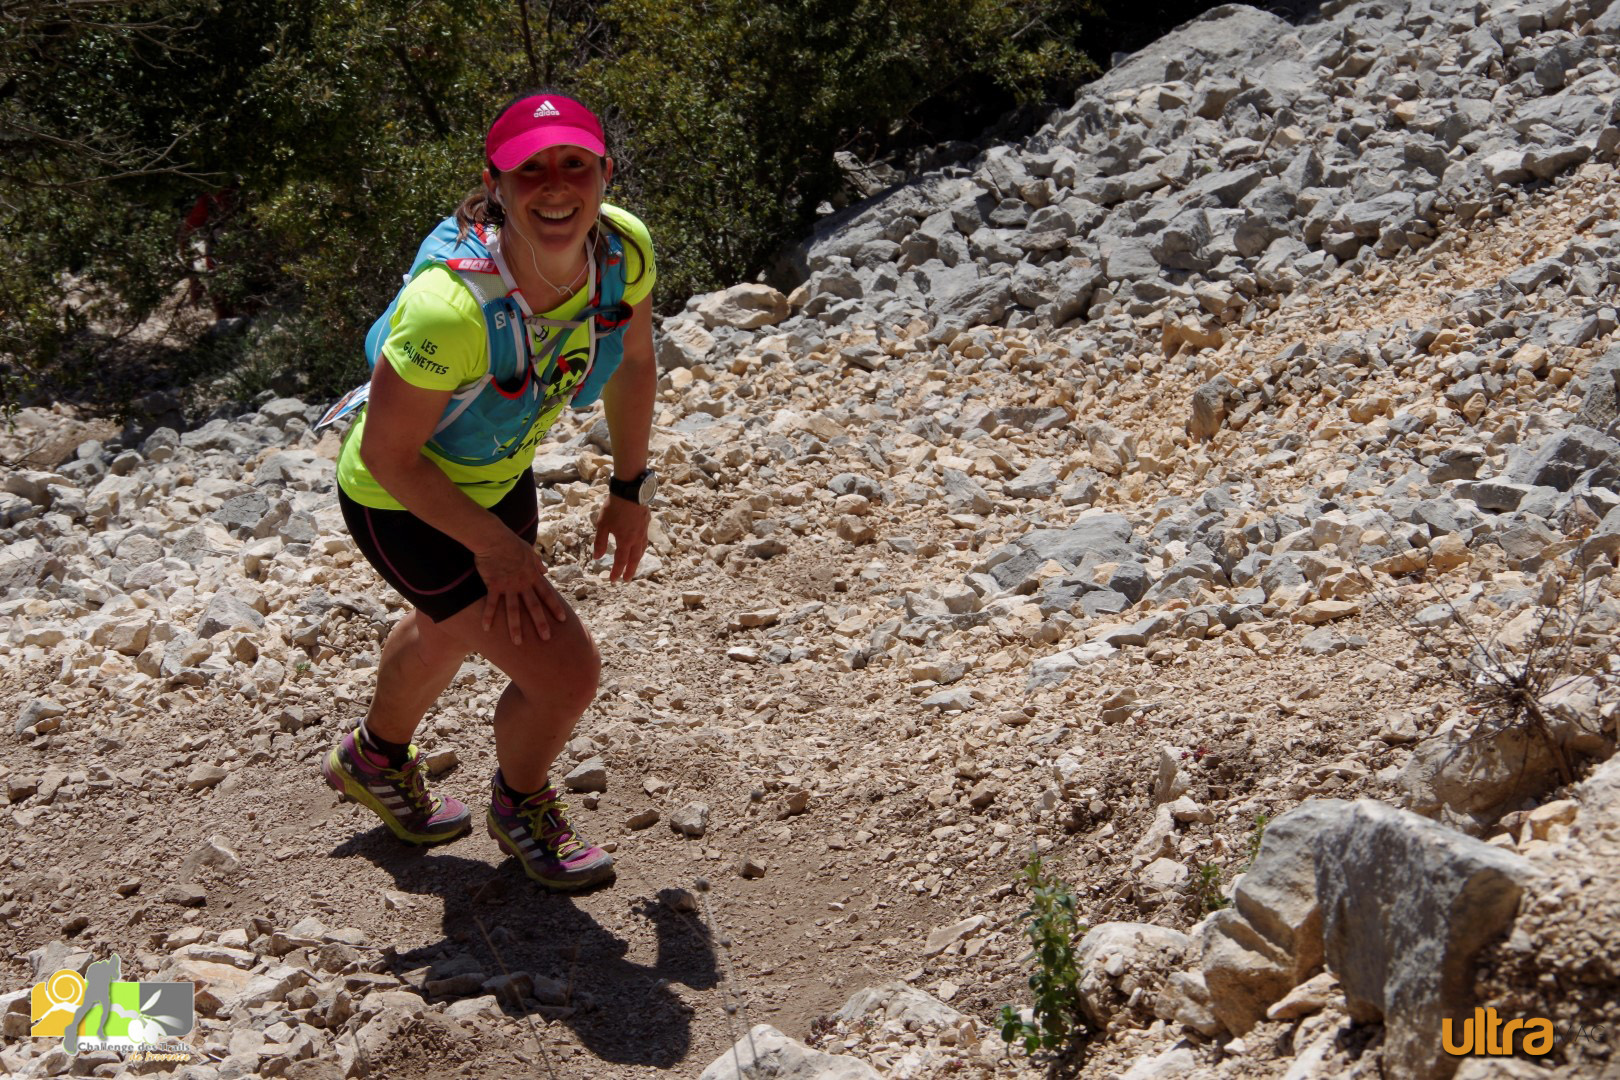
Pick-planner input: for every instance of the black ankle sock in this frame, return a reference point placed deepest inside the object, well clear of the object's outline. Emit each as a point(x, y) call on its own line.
point(396, 753)
point(513, 793)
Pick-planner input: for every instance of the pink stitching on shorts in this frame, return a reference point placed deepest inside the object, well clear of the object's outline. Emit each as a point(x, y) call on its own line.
point(377, 541)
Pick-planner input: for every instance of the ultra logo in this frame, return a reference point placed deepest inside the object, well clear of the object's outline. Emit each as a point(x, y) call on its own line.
point(1486, 1033)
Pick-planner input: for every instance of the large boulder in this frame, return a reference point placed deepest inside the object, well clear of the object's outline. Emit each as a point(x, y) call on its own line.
point(1184, 999)
point(227, 611)
point(1210, 404)
point(1226, 38)
point(1270, 939)
point(1406, 904)
point(984, 304)
point(1128, 259)
point(1565, 456)
point(898, 1002)
point(1600, 393)
point(26, 565)
point(1471, 777)
point(747, 307)
point(218, 985)
point(1605, 539)
point(1197, 239)
point(682, 342)
point(1094, 538)
point(1122, 963)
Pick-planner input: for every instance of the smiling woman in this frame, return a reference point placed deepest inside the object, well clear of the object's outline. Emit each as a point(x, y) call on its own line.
point(534, 296)
point(546, 196)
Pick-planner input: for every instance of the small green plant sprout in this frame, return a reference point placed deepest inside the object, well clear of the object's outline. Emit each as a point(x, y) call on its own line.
point(1206, 888)
point(1052, 930)
point(1255, 836)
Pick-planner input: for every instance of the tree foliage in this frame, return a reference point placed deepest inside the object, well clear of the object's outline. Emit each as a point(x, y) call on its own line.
point(333, 133)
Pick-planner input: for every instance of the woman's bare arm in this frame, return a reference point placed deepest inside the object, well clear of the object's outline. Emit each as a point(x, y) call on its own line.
point(628, 401)
point(400, 419)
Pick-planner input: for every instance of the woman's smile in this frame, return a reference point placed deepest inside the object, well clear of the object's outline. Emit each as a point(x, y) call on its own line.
point(558, 191)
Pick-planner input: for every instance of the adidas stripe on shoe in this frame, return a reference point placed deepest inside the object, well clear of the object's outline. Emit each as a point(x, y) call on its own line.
point(538, 834)
point(398, 796)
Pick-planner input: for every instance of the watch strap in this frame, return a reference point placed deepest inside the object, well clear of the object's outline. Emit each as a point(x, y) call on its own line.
point(629, 490)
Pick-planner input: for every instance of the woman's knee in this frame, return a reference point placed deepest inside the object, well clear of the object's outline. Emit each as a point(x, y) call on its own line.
point(561, 673)
point(578, 676)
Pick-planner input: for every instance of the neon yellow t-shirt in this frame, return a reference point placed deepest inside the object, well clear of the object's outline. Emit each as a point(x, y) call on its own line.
point(437, 341)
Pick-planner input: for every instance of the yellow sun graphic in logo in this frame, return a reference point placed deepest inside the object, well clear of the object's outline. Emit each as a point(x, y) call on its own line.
point(54, 1001)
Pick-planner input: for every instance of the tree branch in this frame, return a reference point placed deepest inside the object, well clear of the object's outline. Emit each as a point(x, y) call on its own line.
point(528, 38)
point(126, 162)
point(429, 106)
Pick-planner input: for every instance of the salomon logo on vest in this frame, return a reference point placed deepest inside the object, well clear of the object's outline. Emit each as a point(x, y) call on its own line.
point(547, 109)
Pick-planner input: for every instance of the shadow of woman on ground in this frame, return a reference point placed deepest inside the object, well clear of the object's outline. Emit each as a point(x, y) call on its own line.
point(542, 954)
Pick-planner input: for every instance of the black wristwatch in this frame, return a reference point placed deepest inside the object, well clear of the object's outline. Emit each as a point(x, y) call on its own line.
point(639, 490)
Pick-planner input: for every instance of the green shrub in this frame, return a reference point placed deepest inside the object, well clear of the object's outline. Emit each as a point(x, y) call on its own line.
point(1206, 890)
point(1256, 836)
point(1053, 928)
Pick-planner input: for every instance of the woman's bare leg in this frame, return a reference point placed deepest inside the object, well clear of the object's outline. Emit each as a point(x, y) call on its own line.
point(418, 661)
point(553, 682)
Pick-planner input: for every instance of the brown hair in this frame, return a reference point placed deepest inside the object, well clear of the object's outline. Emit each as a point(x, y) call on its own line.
point(476, 209)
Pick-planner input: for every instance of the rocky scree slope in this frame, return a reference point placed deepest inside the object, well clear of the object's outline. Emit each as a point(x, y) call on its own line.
point(1239, 448)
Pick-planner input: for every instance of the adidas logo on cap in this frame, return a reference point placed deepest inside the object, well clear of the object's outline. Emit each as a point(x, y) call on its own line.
point(547, 109)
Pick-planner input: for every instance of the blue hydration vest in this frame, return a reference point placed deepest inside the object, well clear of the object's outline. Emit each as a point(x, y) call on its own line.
point(486, 420)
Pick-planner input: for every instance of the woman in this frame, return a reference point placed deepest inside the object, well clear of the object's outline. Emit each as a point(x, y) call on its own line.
point(457, 539)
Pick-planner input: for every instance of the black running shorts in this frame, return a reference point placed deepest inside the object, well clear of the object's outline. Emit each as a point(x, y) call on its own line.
point(431, 570)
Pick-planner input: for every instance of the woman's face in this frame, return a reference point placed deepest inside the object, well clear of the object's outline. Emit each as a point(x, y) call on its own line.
point(552, 198)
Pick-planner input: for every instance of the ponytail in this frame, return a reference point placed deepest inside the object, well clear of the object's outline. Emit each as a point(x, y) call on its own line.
point(478, 209)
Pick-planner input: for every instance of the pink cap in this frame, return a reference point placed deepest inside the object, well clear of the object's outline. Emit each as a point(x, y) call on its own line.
point(538, 123)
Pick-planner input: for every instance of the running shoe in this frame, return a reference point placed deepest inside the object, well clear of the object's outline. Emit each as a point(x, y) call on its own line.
point(398, 796)
point(537, 832)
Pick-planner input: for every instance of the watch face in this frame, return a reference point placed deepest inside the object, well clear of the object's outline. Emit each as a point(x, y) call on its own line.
point(649, 488)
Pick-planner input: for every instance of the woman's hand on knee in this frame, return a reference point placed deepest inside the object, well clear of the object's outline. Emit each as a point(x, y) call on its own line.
point(516, 579)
